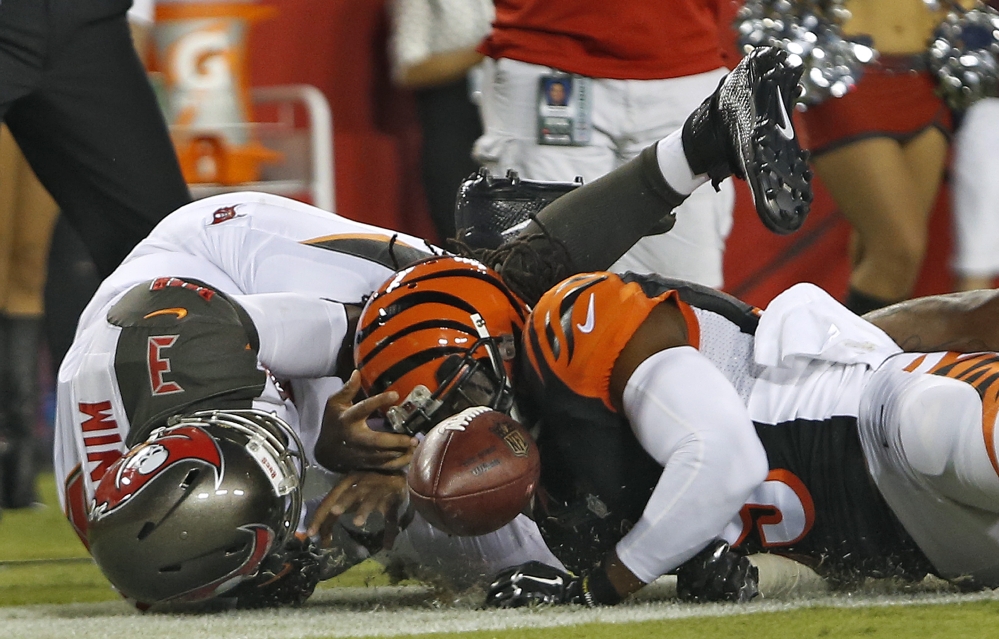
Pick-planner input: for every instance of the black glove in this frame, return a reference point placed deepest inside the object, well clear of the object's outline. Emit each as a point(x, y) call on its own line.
point(538, 583)
point(286, 577)
point(717, 573)
point(534, 583)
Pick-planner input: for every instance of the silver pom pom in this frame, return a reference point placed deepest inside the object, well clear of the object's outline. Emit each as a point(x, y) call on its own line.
point(963, 54)
point(811, 33)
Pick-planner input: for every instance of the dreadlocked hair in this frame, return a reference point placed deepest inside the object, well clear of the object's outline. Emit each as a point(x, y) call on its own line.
point(529, 264)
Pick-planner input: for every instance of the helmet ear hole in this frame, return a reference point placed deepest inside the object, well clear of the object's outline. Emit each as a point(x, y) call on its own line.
point(145, 531)
point(189, 479)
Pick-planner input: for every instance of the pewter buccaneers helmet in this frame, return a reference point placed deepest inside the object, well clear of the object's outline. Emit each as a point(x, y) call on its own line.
point(195, 509)
point(441, 333)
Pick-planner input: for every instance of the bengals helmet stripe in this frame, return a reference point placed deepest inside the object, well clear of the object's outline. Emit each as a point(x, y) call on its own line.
point(397, 316)
point(462, 271)
point(579, 328)
point(575, 286)
point(408, 302)
point(443, 309)
point(404, 367)
point(418, 326)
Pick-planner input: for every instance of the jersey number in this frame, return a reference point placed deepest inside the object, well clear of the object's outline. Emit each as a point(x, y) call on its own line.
point(781, 511)
point(158, 365)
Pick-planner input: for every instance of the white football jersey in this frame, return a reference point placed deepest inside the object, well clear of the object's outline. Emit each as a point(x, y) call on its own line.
point(240, 244)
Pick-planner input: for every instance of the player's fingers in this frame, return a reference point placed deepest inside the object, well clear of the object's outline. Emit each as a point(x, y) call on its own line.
point(322, 525)
point(398, 462)
point(323, 528)
point(326, 532)
point(361, 499)
point(378, 496)
point(366, 505)
point(391, 510)
point(331, 507)
point(386, 441)
point(345, 504)
point(369, 405)
point(348, 391)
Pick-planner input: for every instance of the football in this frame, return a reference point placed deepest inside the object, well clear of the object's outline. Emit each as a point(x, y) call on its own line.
point(474, 472)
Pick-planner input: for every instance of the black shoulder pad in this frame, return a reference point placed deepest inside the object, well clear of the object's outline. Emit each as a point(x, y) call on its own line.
point(167, 300)
point(743, 315)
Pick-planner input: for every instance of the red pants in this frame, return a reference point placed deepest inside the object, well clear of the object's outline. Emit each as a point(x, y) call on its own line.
point(888, 102)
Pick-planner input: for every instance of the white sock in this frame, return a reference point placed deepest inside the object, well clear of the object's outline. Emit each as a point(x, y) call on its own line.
point(674, 167)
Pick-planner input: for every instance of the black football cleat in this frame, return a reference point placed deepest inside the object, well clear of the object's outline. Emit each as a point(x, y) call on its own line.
point(490, 209)
point(745, 129)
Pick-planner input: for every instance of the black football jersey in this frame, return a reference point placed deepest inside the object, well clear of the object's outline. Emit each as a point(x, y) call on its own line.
point(597, 479)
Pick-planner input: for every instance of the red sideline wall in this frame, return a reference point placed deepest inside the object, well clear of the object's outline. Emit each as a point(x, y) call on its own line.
point(340, 47)
point(759, 265)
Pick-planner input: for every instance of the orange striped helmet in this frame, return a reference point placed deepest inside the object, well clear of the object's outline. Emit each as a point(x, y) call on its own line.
point(442, 334)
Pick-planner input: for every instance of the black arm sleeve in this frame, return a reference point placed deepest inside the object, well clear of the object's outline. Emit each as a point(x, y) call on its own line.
point(600, 221)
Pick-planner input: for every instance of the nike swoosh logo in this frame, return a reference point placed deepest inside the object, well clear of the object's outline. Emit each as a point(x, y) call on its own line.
point(590, 319)
point(557, 581)
point(181, 313)
point(785, 127)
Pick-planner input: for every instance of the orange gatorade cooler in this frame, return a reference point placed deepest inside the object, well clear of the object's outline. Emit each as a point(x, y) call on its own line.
point(201, 52)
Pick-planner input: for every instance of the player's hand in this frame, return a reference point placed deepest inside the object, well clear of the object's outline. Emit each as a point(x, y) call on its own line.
point(346, 443)
point(718, 573)
point(287, 576)
point(533, 583)
point(362, 493)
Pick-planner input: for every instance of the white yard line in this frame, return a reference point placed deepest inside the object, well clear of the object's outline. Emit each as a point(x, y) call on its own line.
point(388, 611)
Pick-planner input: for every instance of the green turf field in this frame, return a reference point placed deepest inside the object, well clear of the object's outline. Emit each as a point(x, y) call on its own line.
point(49, 588)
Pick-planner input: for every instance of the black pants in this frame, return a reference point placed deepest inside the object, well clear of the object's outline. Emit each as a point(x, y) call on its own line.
point(18, 410)
point(72, 281)
point(80, 106)
point(450, 124)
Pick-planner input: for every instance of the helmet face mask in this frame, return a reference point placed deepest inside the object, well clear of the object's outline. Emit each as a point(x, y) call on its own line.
point(268, 440)
point(441, 334)
point(463, 381)
point(195, 509)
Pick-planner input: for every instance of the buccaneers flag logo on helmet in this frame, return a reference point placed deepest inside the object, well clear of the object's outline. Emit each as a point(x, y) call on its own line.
point(133, 472)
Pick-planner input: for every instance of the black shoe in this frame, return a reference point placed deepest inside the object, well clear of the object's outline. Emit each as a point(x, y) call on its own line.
point(745, 129)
